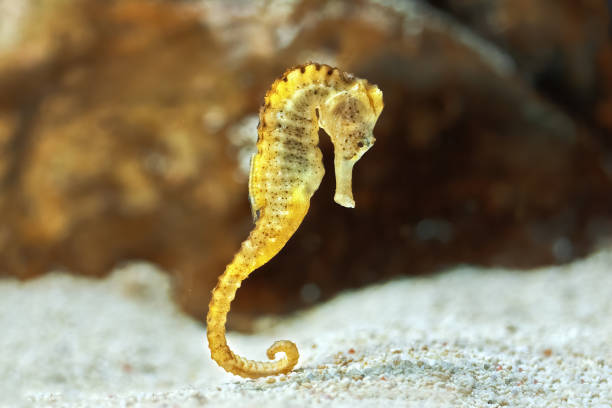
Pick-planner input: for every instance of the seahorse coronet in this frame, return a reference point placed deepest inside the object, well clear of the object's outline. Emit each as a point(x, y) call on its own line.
point(285, 172)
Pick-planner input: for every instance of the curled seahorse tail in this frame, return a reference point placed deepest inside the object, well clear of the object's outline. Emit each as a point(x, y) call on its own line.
point(243, 264)
point(291, 354)
point(255, 369)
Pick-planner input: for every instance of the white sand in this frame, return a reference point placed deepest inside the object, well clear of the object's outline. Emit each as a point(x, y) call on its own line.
point(466, 338)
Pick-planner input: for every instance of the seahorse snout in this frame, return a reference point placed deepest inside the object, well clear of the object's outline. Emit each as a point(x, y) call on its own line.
point(344, 181)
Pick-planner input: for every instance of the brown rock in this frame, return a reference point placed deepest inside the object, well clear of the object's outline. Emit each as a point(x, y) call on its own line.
point(124, 133)
point(560, 46)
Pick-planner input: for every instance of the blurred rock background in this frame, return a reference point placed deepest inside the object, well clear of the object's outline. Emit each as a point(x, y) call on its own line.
point(126, 127)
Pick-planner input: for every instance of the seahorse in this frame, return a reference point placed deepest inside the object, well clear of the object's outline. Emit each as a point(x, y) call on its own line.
point(285, 172)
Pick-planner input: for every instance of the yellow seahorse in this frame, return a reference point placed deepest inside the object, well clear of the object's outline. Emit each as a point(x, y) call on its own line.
point(285, 172)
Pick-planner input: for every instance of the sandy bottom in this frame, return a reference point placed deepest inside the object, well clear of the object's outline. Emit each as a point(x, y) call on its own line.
point(465, 338)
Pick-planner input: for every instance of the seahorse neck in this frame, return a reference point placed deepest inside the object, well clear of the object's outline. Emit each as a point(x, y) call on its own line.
point(295, 115)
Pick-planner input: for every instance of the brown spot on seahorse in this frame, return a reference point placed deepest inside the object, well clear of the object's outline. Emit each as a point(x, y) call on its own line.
point(285, 172)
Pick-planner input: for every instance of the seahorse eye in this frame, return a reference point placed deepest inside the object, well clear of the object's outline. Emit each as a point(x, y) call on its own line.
point(360, 144)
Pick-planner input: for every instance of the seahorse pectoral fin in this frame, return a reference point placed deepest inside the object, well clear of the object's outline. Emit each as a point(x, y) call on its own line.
point(255, 207)
point(344, 180)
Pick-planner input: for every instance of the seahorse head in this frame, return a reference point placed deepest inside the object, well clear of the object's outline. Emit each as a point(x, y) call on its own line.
point(349, 117)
